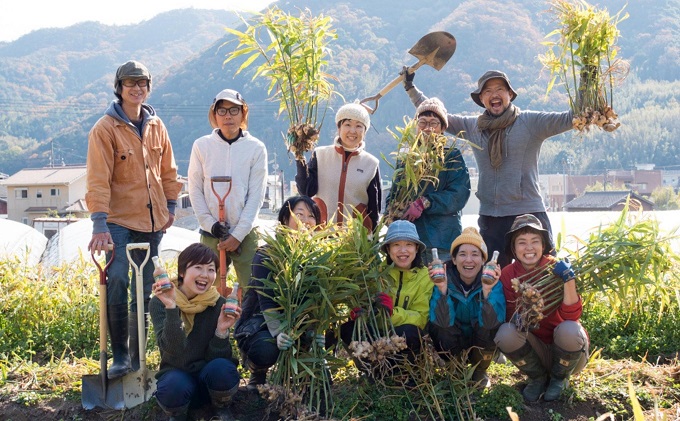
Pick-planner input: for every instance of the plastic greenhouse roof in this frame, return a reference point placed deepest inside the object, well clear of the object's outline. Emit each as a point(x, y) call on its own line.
point(21, 241)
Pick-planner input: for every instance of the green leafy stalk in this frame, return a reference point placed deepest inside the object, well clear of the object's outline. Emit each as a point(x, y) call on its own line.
point(295, 50)
point(419, 159)
point(584, 60)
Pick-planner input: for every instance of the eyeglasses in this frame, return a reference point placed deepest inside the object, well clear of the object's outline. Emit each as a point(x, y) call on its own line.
point(424, 124)
point(232, 111)
point(130, 83)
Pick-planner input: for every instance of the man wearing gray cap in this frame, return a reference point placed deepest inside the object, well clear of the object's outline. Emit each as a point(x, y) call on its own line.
point(509, 141)
point(132, 191)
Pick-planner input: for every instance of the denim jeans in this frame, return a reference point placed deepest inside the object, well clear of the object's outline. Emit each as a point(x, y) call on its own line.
point(119, 272)
point(177, 388)
point(260, 349)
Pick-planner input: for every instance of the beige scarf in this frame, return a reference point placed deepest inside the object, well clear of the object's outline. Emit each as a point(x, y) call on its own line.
point(189, 308)
point(497, 126)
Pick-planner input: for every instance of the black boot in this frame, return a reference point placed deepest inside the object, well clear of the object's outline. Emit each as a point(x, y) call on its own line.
point(258, 375)
point(529, 363)
point(221, 399)
point(563, 364)
point(134, 338)
point(482, 358)
point(118, 332)
point(180, 413)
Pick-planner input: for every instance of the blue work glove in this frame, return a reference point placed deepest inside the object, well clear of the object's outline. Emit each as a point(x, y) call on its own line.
point(563, 269)
point(283, 341)
point(220, 231)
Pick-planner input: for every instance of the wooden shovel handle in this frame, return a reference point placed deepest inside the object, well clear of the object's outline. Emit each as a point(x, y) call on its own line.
point(396, 81)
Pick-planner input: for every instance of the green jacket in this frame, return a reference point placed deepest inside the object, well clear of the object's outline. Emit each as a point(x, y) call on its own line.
point(411, 296)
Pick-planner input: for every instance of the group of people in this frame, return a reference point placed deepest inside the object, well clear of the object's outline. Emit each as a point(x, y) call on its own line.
point(131, 167)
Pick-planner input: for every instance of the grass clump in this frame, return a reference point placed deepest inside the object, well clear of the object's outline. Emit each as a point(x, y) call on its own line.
point(493, 402)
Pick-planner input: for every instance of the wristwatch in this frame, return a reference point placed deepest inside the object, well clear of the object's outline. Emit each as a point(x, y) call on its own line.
point(426, 202)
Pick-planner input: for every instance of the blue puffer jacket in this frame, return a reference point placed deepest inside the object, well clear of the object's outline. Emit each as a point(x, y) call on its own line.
point(465, 313)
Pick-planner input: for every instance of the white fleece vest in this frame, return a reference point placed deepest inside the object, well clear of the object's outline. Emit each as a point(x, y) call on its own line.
point(343, 185)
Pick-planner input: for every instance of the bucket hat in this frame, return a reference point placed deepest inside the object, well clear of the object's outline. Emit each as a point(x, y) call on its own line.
point(401, 231)
point(523, 221)
point(491, 74)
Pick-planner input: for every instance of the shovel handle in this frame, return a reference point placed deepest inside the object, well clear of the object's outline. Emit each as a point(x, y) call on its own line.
point(139, 291)
point(222, 287)
point(396, 81)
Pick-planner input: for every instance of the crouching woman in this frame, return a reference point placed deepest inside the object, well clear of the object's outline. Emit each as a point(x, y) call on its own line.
point(465, 313)
point(192, 330)
point(557, 347)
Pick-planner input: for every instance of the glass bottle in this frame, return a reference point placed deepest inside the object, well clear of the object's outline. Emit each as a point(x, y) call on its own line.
point(160, 274)
point(232, 300)
point(438, 272)
point(489, 271)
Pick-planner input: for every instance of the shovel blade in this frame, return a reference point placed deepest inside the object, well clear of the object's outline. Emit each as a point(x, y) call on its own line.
point(434, 49)
point(98, 395)
point(122, 393)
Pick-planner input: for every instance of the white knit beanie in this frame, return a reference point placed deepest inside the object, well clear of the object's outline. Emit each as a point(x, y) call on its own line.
point(436, 106)
point(353, 111)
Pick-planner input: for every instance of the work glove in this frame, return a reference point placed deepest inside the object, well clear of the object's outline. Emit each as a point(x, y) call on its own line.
point(384, 302)
point(283, 341)
point(414, 210)
point(408, 77)
point(563, 269)
point(319, 338)
point(220, 231)
point(356, 312)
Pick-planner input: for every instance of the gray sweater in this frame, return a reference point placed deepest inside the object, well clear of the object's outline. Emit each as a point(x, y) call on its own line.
point(511, 189)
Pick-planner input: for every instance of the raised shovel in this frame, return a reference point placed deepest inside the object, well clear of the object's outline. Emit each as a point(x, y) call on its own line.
point(135, 387)
point(434, 49)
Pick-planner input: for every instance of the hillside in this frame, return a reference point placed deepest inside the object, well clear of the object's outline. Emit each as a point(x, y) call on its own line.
point(185, 51)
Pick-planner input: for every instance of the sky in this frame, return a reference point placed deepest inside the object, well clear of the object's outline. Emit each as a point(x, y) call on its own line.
point(19, 17)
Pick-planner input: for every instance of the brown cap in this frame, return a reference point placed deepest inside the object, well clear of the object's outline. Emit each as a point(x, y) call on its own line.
point(131, 70)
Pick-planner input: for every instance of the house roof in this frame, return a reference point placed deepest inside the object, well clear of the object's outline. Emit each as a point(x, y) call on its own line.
point(46, 176)
point(604, 199)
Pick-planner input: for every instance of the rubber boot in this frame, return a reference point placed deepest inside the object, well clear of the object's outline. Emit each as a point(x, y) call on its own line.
point(483, 359)
point(221, 399)
point(563, 364)
point(118, 332)
point(258, 376)
point(528, 362)
point(180, 413)
point(134, 338)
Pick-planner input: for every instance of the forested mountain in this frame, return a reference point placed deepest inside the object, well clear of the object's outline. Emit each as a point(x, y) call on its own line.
point(55, 83)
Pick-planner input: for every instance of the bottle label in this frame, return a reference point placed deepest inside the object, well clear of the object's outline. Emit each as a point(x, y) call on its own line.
point(438, 272)
point(164, 279)
point(489, 273)
point(231, 305)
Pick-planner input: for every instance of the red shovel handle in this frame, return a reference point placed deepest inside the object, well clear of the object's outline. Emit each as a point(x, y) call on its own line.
point(102, 271)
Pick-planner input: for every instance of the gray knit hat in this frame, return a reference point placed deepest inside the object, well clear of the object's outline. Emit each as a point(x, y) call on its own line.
point(491, 74)
point(353, 111)
point(131, 70)
point(436, 106)
point(401, 230)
